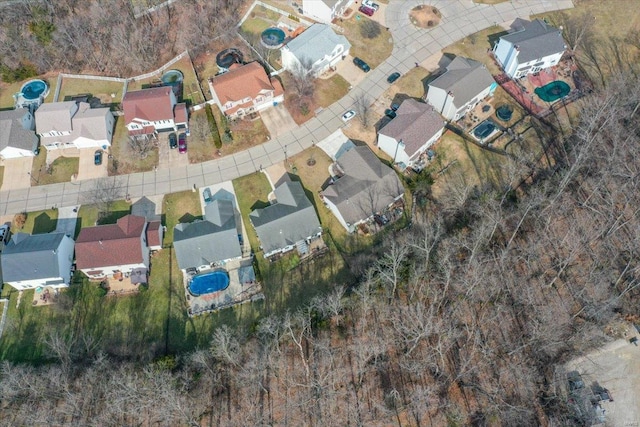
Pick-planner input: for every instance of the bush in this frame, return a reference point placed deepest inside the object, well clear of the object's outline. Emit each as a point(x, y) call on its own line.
point(43, 31)
point(20, 219)
point(24, 71)
point(213, 126)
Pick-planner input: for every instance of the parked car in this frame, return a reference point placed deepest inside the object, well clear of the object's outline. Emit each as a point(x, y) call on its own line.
point(97, 157)
point(348, 115)
point(361, 64)
point(173, 140)
point(366, 10)
point(390, 113)
point(393, 77)
point(395, 107)
point(4, 234)
point(206, 195)
point(371, 5)
point(182, 143)
point(381, 220)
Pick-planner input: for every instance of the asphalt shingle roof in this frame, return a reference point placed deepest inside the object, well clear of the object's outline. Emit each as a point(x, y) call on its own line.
point(13, 134)
point(465, 78)
point(152, 104)
point(30, 257)
point(246, 81)
point(316, 42)
point(536, 39)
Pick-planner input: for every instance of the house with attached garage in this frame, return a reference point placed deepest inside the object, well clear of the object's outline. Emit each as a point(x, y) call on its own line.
point(416, 127)
point(290, 222)
point(17, 136)
point(38, 260)
point(213, 241)
point(153, 110)
point(530, 46)
point(362, 187)
point(465, 83)
point(117, 251)
point(325, 11)
point(245, 89)
point(155, 230)
point(315, 51)
point(74, 124)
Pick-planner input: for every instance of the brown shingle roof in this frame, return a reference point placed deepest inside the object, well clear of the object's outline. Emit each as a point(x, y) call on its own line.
point(180, 113)
point(245, 81)
point(111, 245)
point(149, 104)
point(153, 234)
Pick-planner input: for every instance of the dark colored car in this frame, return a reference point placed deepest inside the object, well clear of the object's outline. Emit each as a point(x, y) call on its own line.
point(393, 77)
point(97, 157)
point(206, 195)
point(182, 143)
point(361, 64)
point(395, 107)
point(366, 10)
point(390, 113)
point(173, 140)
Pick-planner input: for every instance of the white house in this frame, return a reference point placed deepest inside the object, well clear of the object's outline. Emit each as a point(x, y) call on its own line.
point(325, 11)
point(38, 260)
point(416, 127)
point(153, 110)
point(530, 47)
point(316, 50)
point(74, 124)
point(465, 83)
point(17, 136)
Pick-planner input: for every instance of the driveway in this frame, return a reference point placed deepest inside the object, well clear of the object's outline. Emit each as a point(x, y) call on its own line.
point(277, 120)
point(17, 173)
point(67, 217)
point(348, 70)
point(170, 157)
point(87, 169)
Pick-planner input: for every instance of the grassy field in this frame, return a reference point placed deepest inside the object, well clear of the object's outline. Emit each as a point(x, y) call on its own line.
point(38, 222)
point(374, 51)
point(251, 193)
point(103, 89)
point(180, 207)
point(124, 161)
point(89, 215)
point(476, 45)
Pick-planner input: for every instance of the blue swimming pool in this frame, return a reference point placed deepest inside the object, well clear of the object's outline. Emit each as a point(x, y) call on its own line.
point(484, 129)
point(272, 37)
point(33, 89)
point(209, 282)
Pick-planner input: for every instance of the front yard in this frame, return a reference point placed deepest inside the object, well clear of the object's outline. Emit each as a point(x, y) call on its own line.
point(369, 40)
point(37, 222)
point(180, 207)
point(325, 93)
point(123, 159)
point(61, 169)
point(477, 45)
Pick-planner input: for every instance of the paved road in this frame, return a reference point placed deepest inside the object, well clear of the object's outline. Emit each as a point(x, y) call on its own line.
point(459, 19)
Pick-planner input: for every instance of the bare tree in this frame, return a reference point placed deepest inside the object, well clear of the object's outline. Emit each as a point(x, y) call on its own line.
point(105, 191)
point(362, 106)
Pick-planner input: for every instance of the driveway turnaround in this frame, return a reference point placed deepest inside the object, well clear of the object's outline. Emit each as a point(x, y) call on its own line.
point(278, 120)
point(411, 45)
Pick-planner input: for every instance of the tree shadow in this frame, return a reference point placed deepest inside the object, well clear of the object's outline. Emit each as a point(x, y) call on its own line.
point(111, 217)
point(44, 224)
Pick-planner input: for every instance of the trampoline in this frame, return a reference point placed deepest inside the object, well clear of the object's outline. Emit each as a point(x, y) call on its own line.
point(504, 113)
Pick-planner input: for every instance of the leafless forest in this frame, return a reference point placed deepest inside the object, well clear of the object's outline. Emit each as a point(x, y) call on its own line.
point(462, 319)
point(104, 37)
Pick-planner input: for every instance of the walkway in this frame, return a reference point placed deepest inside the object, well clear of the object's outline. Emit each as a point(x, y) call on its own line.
point(459, 19)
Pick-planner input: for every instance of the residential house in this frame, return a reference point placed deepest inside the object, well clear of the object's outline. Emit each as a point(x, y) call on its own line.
point(316, 50)
point(325, 11)
point(531, 46)
point(465, 83)
point(153, 110)
point(115, 250)
point(17, 136)
point(212, 241)
point(363, 187)
point(155, 230)
point(245, 89)
point(74, 124)
point(290, 222)
point(38, 260)
point(416, 127)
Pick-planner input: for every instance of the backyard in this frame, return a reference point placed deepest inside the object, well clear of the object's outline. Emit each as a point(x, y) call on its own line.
point(109, 92)
point(7, 90)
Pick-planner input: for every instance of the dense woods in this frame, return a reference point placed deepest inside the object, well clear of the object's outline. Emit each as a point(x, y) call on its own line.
point(462, 319)
point(104, 37)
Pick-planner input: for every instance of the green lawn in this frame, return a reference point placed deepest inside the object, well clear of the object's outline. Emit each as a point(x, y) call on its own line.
point(7, 90)
point(180, 207)
point(102, 89)
point(201, 143)
point(330, 90)
point(61, 169)
point(38, 222)
point(89, 215)
point(124, 161)
point(251, 193)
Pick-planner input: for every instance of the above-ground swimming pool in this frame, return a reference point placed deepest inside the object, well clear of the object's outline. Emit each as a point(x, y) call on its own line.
point(228, 57)
point(504, 113)
point(172, 77)
point(553, 91)
point(484, 129)
point(272, 37)
point(33, 89)
point(209, 282)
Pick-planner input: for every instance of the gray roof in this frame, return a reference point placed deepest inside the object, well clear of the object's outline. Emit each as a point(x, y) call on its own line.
point(315, 42)
point(367, 186)
point(146, 208)
point(31, 257)
point(465, 79)
point(536, 39)
point(55, 116)
point(206, 241)
point(291, 219)
point(415, 124)
point(86, 122)
point(12, 132)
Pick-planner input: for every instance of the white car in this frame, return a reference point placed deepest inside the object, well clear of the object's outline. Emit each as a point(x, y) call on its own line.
point(370, 4)
point(348, 115)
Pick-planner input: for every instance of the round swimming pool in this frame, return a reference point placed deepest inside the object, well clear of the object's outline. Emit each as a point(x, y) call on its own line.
point(272, 37)
point(553, 91)
point(209, 282)
point(172, 77)
point(33, 89)
point(484, 129)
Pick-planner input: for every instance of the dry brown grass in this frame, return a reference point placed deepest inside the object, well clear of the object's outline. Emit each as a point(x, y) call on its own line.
point(372, 51)
point(424, 16)
point(476, 47)
point(326, 92)
point(246, 134)
point(123, 157)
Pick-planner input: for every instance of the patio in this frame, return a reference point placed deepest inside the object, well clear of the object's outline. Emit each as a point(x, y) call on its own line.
point(45, 296)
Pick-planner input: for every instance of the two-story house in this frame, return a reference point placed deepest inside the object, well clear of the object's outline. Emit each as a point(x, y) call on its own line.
point(316, 50)
point(531, 46)
point(245, 89)
point(17, 136)
point(153, 110)
point(325, 10)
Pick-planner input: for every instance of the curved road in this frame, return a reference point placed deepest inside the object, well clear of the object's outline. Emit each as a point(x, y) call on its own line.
point(460, 18)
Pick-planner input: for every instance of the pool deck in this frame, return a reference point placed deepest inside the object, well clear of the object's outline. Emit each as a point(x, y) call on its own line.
point(237, 292)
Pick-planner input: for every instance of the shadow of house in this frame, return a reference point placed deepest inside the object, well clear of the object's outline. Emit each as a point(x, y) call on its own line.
point(43, 223)
point(493, 38)
point(189, 218)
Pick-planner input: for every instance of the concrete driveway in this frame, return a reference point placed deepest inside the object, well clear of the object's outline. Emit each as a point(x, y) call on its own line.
point(87, 169)
point(17, 173)
point(170, 157)
point(277, 120)
point(67, 217)
point(350, 72)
